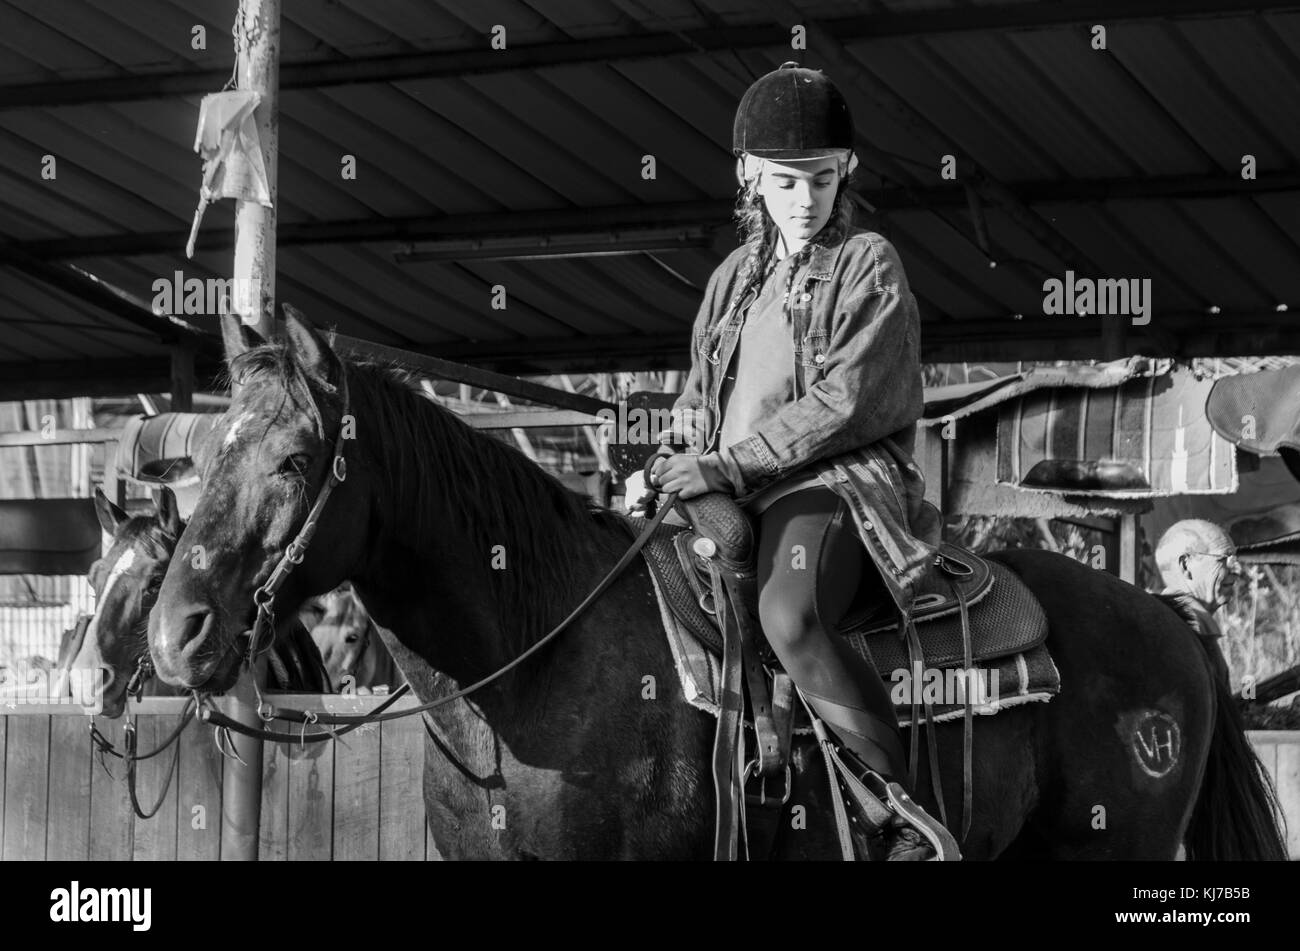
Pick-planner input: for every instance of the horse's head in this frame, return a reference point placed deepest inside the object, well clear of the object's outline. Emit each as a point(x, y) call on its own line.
point(126, 583)
point(262, 468)
point(343, 634)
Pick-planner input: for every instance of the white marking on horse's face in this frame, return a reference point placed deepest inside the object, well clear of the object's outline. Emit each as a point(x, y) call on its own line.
point(233, 433)
point(89, 657)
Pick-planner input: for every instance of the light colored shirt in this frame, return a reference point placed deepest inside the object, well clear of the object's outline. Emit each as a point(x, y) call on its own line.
point(761, 382)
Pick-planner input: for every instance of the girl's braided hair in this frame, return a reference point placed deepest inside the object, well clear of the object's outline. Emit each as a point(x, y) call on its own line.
point(758, 232)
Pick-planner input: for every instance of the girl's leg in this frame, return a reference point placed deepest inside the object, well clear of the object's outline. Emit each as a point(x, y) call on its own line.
point(810, 563)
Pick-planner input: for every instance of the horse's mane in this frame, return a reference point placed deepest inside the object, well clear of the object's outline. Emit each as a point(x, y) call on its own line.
point(436, 468)
point(1181, 605)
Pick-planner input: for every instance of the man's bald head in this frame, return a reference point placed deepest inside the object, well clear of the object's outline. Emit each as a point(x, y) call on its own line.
point(1197, 557)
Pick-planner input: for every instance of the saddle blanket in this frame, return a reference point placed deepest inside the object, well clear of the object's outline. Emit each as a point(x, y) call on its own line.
point(1001, 683)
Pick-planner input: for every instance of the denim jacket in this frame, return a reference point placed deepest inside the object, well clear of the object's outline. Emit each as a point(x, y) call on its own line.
point(857, 398)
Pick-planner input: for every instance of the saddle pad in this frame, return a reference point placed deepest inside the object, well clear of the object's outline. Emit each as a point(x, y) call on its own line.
point(1259, 412)
point(1020, 678)
point(158, 449)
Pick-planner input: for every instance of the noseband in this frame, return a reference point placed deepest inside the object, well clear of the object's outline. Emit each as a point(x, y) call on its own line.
point(264, 626)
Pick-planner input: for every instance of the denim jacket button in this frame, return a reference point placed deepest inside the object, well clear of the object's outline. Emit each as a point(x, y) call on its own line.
point(805, 297)
point(819, 359)
point(867, 524)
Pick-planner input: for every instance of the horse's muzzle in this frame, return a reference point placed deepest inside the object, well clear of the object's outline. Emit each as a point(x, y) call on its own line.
point(186, 651)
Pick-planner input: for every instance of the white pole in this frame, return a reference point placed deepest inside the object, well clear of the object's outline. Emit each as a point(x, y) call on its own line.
point(258, 68)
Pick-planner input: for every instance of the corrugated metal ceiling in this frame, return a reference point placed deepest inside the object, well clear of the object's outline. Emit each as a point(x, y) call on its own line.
point(1032, 105)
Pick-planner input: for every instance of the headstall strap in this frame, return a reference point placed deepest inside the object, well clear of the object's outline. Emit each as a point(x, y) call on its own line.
point(262, 636)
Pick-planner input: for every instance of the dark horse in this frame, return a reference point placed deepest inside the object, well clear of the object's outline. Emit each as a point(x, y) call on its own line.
point(126, 582)
point(466, 553)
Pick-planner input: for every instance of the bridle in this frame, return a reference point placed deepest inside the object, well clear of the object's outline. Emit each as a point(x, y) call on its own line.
point(135, 689)
point(264, 625)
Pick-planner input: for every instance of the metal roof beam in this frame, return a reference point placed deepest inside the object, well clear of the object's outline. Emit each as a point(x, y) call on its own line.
point(490, 225)
point(540, 224)
point(107, 297)
point(443, 369)
point(1035, 338)
point(481, 60)
point(1069, 338)
point(64, 379)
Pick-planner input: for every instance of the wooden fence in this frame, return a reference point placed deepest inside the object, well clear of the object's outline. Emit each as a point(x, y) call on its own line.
point(356, 798)
point(1280, 751)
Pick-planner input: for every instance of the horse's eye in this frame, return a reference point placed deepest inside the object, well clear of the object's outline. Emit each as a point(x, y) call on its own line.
point(295, 464)
point(351, 639)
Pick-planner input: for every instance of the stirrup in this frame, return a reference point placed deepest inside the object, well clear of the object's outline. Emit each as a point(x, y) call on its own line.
point(934, 832)
point(872, 792)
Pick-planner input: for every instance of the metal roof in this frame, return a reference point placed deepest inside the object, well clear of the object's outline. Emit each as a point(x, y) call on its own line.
point(1125, 160)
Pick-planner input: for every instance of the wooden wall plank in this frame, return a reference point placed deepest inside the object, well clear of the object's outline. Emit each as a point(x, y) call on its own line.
point(1287, 780)
point(4, 732)
point(273, 826)
point(356, 795)
point(67, 835)
point(401, 801)
point(311, 802)
point(1266, 750)
point(27, 782)
point(111, 828)
point(155, 838)
point(198, 796)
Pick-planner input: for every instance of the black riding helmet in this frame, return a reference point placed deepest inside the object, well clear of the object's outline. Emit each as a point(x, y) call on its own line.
point(792, 113)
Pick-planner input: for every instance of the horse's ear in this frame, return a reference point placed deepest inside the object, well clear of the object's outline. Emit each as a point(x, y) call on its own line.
point(110, 516)
point(237, 336)
point(310, 350)
point(169, 513)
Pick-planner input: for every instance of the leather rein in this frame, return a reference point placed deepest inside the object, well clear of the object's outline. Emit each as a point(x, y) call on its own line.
point(294, 555)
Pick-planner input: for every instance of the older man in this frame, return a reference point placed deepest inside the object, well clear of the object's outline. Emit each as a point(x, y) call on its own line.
point(1197, 561)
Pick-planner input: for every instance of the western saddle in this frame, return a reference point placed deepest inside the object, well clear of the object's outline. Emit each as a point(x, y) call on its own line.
point(708, 573)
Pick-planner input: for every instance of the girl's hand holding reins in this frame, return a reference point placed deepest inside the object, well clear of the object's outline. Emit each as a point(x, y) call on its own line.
point(689, 475)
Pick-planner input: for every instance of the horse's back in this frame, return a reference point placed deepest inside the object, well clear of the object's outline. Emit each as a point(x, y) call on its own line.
point(1131, 726)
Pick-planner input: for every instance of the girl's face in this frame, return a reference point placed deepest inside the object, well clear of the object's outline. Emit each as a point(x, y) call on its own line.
point(800, 197)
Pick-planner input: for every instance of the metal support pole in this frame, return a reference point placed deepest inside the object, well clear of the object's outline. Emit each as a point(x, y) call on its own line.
point(258, 43)
point(258, 69)
point(1129, 553)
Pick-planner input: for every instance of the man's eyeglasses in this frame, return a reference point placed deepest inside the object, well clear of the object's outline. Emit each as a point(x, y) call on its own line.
point(1230, 561)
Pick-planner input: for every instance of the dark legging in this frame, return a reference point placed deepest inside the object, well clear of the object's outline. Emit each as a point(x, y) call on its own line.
point(810, 563)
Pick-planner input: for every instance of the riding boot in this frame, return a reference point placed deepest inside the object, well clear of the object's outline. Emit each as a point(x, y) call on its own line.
point(874, 749)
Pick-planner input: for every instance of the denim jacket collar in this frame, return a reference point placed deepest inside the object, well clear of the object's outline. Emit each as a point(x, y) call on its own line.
point(825, 255)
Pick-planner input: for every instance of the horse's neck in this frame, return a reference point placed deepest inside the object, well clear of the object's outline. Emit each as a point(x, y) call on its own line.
point(438, 589)
point(440, 613)
point(441, 606)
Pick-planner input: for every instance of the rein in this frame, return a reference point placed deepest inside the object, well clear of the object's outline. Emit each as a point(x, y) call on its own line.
point(131, 756)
